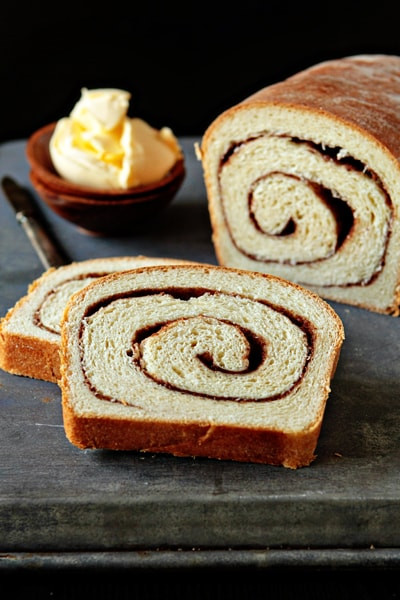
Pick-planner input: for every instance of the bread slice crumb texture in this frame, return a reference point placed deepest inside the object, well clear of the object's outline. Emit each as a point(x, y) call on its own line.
point(196, 346)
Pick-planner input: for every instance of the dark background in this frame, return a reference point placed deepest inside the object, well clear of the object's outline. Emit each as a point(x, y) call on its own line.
point(183, 63)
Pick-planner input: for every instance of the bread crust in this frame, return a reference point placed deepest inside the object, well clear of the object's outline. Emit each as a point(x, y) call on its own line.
point(361, 93)
point(25, 354)
point(29, 356)
point(318, 88)
point(291, 450)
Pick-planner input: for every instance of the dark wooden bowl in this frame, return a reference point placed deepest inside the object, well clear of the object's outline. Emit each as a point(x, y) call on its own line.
point(108, 212)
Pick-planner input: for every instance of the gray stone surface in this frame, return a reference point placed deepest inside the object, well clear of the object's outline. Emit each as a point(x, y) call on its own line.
point(55, 498)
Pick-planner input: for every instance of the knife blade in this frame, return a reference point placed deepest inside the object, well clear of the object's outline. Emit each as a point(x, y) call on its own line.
point(33, 223)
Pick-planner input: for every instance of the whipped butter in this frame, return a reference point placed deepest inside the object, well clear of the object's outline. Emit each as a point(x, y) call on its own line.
point(99, 146)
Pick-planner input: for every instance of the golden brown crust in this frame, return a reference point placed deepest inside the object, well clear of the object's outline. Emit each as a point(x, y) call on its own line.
point(361, 90)
point(26, 355)
point(29, 356)
point(180, 439)
point(355, 90)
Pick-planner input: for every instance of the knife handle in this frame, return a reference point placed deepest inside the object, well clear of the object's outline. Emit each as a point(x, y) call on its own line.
point(49, 254)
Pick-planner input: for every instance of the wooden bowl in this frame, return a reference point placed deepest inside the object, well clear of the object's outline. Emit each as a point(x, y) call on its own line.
point(101, 212)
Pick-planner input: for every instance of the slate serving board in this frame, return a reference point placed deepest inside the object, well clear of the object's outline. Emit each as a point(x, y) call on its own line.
point(61, 505)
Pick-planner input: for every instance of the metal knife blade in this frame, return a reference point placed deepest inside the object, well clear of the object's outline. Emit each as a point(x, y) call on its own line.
point(32, 221)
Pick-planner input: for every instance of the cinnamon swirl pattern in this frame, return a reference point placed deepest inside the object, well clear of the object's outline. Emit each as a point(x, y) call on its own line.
point(306, 187)
point(179, 359)
point(48, 313)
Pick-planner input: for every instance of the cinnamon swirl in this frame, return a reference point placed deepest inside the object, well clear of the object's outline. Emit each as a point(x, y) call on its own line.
point(198, 361)
point(303, 181)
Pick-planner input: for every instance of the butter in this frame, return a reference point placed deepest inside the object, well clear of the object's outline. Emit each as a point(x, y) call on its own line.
point(99, 146)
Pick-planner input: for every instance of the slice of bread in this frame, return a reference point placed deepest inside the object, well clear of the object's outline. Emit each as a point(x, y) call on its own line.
point(198, 360)
point(303, 181)
point(30, 332)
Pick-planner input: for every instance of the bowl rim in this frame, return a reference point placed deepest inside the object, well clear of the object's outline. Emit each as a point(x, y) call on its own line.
point(82, 200)
point(56, 184)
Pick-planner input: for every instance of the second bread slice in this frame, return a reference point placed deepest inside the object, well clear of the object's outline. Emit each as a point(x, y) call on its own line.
point(30, 332)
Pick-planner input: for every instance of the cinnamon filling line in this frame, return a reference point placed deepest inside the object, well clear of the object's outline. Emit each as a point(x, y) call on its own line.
point(257, 353)
point(257, 345)
point(37, 317)
point(340, 209)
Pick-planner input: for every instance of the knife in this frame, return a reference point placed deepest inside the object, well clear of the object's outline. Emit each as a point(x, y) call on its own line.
point(33, 223)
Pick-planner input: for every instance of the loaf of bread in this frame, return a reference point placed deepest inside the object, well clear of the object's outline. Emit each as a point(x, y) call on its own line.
point(30, 332)
point(303, 181)
point(196, 360)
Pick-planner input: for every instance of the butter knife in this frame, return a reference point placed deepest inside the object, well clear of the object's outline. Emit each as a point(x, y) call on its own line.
point(33, 223)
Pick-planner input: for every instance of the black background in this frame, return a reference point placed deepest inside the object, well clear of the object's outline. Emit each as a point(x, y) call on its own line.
point(183, 63)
